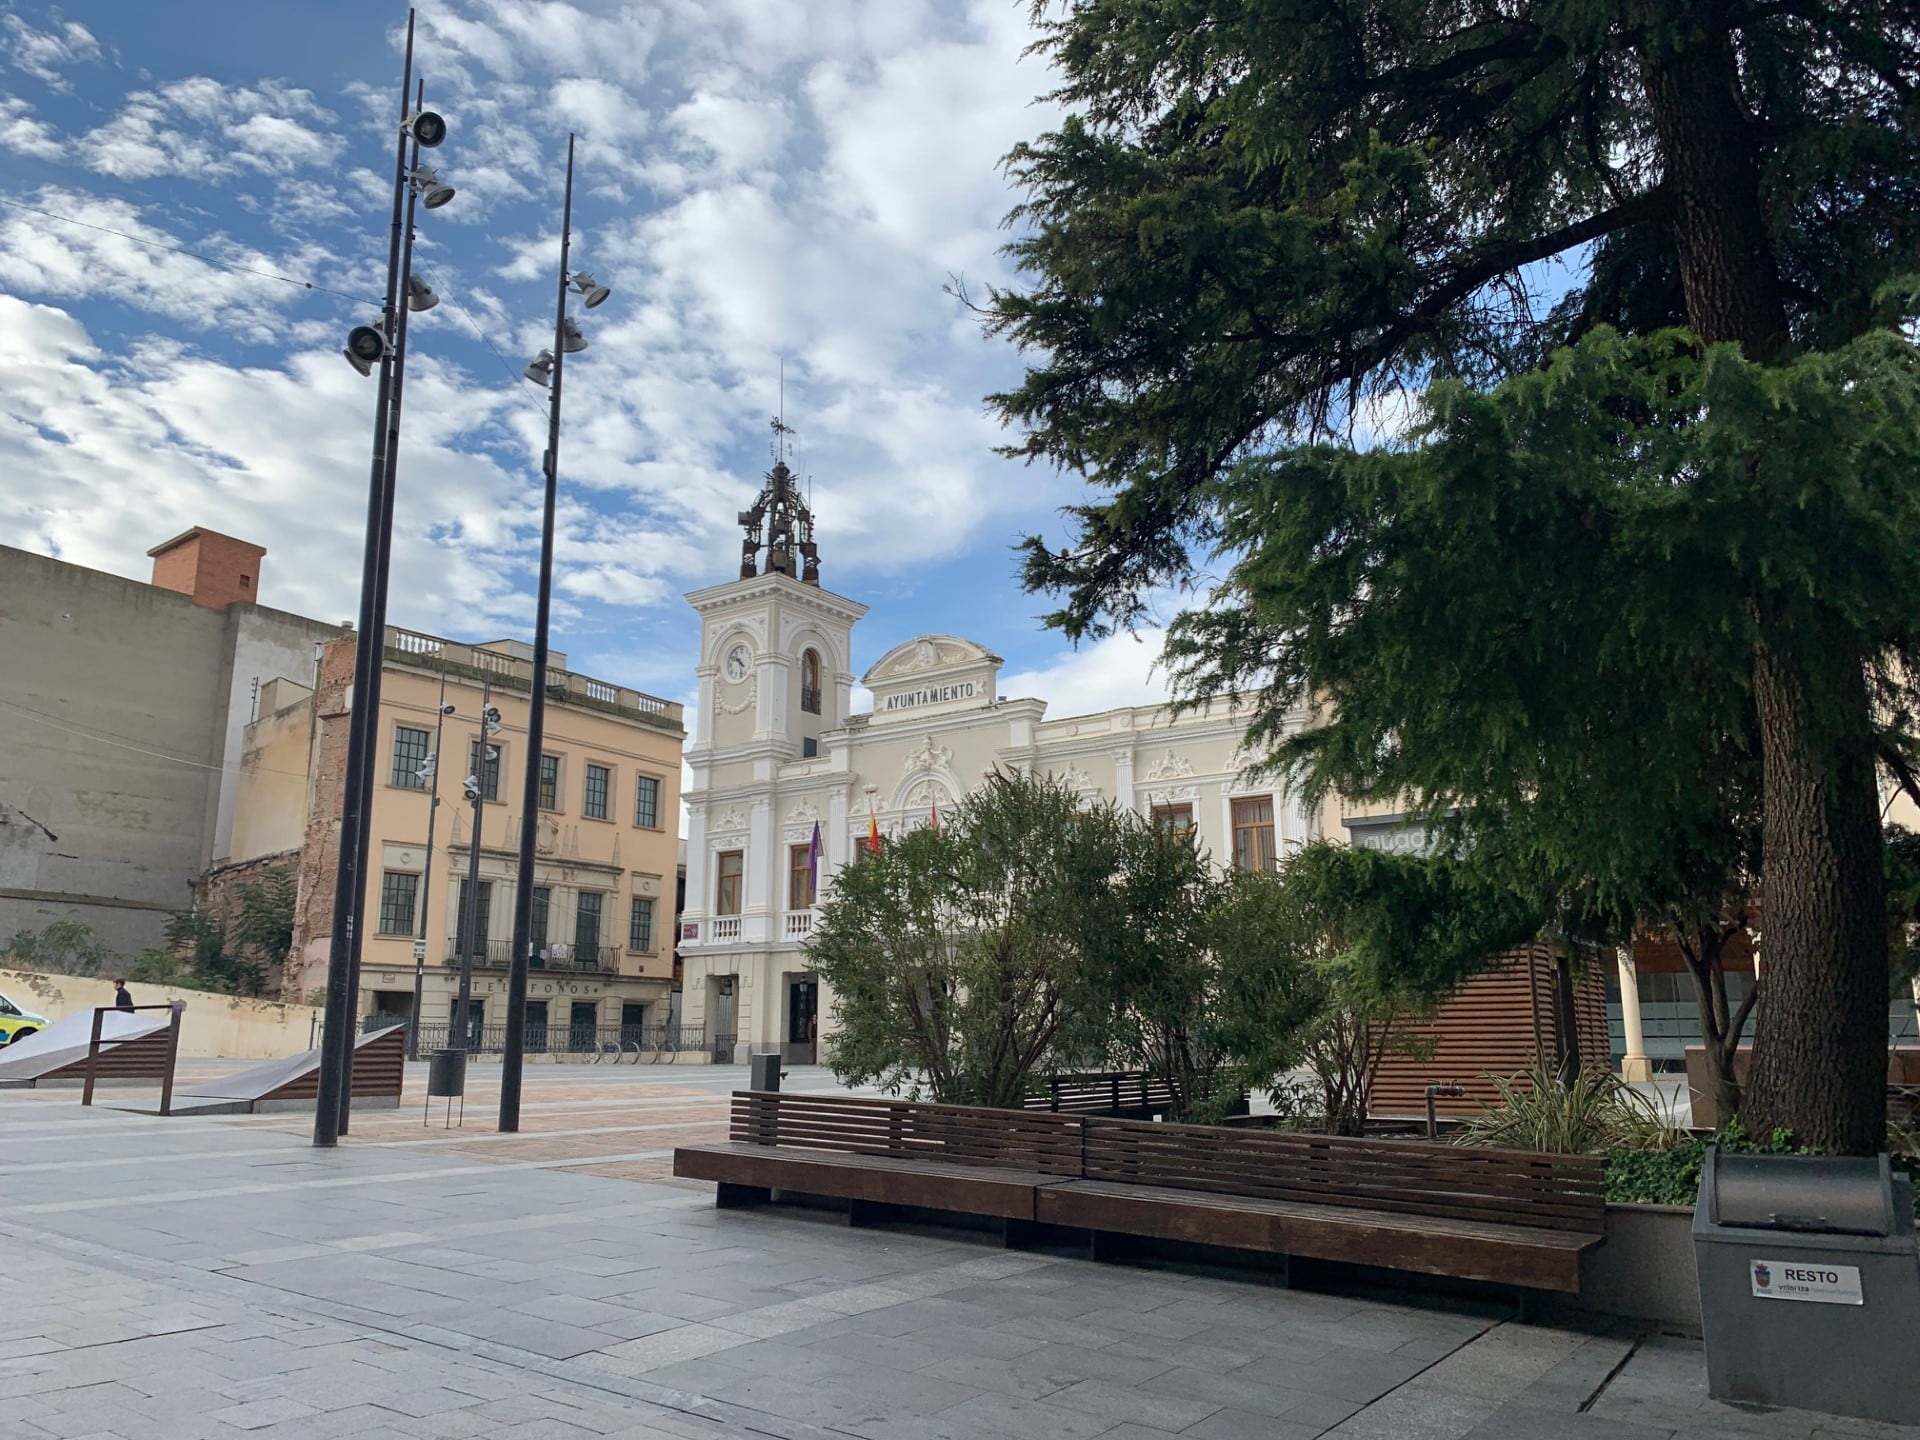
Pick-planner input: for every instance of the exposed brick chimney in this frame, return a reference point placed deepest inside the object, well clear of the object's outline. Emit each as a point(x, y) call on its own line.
point(214, 569)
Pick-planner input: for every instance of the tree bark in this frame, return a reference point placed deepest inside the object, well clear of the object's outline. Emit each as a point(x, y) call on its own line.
point(1820, 1038)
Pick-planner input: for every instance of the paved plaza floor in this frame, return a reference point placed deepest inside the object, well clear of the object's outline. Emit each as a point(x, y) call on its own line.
point(220, 1278)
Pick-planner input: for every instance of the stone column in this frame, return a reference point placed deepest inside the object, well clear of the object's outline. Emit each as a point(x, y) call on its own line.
point(1123, 779)
point(1634, 1065)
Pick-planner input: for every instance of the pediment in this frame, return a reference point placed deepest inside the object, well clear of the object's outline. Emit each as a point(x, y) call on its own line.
point(927, 655)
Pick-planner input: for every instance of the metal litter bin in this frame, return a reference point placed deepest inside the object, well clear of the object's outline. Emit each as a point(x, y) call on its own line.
point(763, 1072)
point(446, 1078)
point(1809, 1284)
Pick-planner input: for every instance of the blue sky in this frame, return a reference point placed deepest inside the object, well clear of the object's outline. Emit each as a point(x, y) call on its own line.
point(759, 180)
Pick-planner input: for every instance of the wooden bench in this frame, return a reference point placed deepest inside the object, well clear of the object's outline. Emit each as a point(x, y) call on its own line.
point(1499, 1215)
point(1111, 1093)
point(1507, 1217)
point(880, 1155)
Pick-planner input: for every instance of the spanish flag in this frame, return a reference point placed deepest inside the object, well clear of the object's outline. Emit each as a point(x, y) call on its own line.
point(873, 833)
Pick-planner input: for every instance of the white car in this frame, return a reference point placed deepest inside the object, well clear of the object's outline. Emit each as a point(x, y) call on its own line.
point(17, 1024)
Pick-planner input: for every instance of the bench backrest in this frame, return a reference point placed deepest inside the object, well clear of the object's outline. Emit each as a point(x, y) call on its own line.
point(906, 1129)
point(1405, 1176)
point(1101, 1094)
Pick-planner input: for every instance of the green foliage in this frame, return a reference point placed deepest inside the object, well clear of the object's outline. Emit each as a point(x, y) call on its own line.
point(1593, 1113)
point(262, 924)
point(1598, 597)
point(956, 956)
point(1671, 1175)
point(65, 947)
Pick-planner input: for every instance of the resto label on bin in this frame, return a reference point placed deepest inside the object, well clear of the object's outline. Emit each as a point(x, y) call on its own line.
point(1793, 1280)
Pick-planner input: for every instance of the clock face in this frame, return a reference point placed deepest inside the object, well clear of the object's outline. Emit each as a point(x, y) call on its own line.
point(737, 662)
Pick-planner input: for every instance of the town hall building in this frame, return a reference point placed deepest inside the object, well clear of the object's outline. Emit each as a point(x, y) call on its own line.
point(777, 751)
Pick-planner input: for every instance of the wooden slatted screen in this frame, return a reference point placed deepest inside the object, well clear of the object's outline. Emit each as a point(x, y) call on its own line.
point(379, 1070)
point(1500, 1022)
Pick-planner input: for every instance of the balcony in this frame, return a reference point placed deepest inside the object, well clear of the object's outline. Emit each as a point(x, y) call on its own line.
point(509, 672)
point(564, 957)
point(798, 925)
point(724, 927)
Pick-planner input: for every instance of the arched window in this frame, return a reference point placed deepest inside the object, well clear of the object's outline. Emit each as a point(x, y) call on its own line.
point(810, 682)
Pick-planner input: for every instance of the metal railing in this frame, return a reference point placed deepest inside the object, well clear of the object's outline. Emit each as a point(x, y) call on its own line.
point(633, 1043)
point(565, 958)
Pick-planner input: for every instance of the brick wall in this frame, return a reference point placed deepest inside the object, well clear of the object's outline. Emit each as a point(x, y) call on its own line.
point(319, 855)
point(214, 569)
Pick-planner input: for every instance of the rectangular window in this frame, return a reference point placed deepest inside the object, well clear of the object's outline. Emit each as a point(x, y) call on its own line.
point(599, 781)
point(1253, 834)
point(398, 890)
point(586, 924)
point(549, 782)
point(490, 776)
point(1174, 819)
point(726, 893)
point(640, 924)
point(537, 924)
point(479, 921)
point(799, 878)
point(646, 802)
point(409, 757)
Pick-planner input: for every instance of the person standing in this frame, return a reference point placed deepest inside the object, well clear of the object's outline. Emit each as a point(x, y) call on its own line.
point(121, 999)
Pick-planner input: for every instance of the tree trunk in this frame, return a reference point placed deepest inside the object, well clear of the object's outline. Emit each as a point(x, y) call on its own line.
point(1820, 1040)
point(1566, 1017)
point(1818, 1044)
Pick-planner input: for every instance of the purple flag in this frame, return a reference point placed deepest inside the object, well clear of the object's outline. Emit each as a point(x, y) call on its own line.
point(814, 852)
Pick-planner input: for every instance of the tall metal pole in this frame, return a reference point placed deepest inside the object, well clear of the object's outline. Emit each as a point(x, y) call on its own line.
point(426, 879)
point(511, 1059)
point(470, 908)
point(350, 875)
point(379, 631)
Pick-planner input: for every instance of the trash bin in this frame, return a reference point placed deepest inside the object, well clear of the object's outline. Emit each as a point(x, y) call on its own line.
point(447, 1074)
point(763, 1072)
point(1809, 1284)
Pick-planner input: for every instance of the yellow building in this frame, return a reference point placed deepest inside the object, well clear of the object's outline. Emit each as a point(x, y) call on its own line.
point(605, 840)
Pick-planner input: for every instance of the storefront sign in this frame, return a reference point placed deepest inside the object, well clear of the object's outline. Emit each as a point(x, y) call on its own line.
point(1793, 1280)
point(932, 695)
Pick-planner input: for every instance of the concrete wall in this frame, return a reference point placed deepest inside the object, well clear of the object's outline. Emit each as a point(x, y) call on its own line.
point(113, 696)
point(269, 793)
point(123, 708)
point(213, 1025)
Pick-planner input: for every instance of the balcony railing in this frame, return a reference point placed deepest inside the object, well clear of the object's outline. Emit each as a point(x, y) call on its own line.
point(578, 959)
point(509, 672)
point(799, 924)
point(725, 927)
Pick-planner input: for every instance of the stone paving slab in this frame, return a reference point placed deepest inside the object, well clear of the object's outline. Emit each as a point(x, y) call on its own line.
point(219, 1278)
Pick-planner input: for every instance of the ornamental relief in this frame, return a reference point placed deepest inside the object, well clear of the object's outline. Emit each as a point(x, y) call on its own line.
point(746, 701)
point(928, 757)
point(1170, 767)
point(1172, 795)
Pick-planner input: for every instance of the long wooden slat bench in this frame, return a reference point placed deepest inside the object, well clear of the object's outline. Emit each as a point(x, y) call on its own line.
point(877, 1153)
point(1502, 1216)
point(1498, 1215)
point(1109, 1093)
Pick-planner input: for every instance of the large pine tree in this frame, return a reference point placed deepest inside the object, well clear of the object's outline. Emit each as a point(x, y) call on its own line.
point(1259, 213)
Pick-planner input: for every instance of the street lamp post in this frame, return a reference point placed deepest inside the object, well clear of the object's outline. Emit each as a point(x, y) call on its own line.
point(432, 777)
point(470, 906)
point(384, 344)
point(546, 368)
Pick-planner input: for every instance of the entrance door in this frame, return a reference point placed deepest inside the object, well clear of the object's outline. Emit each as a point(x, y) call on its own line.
point(581, 1034)
point(633, 1021)
point(536, 1032)
point(803, 1021)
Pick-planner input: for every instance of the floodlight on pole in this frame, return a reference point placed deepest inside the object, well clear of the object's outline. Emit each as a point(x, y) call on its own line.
point(591, 290)
point(366, 347)
point(540, 369)
point(571, 340)
point(428, 186)
point(420, 295)
point(426, 127)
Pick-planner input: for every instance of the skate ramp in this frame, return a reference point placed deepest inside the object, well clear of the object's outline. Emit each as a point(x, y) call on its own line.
point(63, 1044)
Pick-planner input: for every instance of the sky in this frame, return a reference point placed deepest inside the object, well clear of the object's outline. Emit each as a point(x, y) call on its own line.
point(770, 187)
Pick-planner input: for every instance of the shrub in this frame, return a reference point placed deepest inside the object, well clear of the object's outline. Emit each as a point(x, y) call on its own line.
point(66, 947)
point(1596, 1113)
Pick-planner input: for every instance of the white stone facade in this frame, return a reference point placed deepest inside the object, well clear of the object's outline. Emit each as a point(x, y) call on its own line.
point(766, 768)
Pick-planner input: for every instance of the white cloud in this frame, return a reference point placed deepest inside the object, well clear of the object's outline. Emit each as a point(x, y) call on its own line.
point(206, 130)
point(44, 54)
point(24, 135)
point(1101, 675)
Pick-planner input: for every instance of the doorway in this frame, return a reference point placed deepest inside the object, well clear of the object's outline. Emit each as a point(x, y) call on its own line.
point(633, 1021)
point(582, 1031)
point(536, 1029)
point(803, 1021)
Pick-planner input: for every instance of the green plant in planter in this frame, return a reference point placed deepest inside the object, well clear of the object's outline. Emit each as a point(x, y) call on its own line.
point(1595, 1113)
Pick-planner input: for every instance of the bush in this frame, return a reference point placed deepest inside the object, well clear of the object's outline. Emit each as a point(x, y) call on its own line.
point(1596, 1113)
point(66, 947)
point(1672, 1176)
